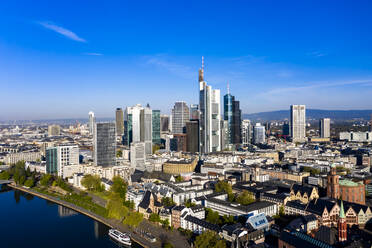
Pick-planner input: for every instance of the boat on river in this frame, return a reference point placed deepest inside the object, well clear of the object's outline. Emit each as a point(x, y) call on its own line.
point(122, 238)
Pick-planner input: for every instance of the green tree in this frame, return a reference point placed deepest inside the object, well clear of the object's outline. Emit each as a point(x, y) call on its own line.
point(154, 217)
point(228, 219)
point(115, 207)
point(212, 216)
point(22, 179)
point(179, 178)
point(167, 245)
point(189, 204)
point(129, 204)
point(223, 186)
point(29, 183)
point(167, 201)
point(133, 219)
point(92, 183)
point(4, 175)
point(119, 186)
point(119, 153)
point(281, 210)
point(165, 223)
point(155, 148)
point(209, 239)
point(245, 198)
point(46, 180)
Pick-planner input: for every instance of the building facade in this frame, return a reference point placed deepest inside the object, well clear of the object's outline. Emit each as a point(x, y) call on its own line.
point(210, 116)
point(325, 128)
point(180, 115)
point(259, 134)
point(298, 123)
point(156, 127)
point(192, 136)
point(119, 122)
point(104, 144)
point(246, 132)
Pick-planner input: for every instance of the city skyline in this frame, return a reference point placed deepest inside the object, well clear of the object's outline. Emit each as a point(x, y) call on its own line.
point(63, 66)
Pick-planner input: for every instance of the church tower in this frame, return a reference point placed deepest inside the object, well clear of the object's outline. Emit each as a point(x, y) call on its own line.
point(333, 188)
point(342, 226)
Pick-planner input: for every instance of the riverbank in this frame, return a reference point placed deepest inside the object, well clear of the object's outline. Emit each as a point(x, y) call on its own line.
point(108, 222)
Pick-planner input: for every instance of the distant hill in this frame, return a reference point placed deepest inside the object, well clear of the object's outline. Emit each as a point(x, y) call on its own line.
point(339, 115)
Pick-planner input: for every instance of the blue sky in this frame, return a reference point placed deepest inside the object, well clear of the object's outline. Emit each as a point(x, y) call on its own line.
point(62, 59)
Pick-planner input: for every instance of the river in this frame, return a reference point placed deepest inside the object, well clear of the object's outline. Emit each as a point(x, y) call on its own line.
point(29, 221)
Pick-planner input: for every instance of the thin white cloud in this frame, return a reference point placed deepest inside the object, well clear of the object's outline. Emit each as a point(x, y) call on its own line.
point(61, 30)
point(316, 85)
point(317, 54)
point(93, 54)
point(177, 69)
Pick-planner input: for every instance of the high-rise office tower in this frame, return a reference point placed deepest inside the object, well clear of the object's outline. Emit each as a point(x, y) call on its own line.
point(325, 127)
point(224, 135)
point(156, 127)
point(194, 112)
point(246, 132)
point(192, 136)
point(54, 130)
point(119, 122)
point(104, 145)
point(138, 156)
point(259, 135)
point(232, 114)
point(298, 123)
point(210, 116)
point(286, 129)
point(92, 120)
point(146, 128)
point(138, 126)
point(164, 123)
point(180, 115)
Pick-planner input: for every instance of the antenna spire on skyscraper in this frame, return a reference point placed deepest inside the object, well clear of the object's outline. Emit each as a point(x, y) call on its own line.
point(201, 71)
point(228, 88)
point(203, 63)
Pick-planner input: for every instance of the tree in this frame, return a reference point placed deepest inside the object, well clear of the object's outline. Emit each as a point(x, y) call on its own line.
point(165, 223)
point(281, 210)
point(133, 219)
point(4, 175)
point(212, 216)
point(223, 186)
point(228, 219)
point(119, 186)
point(115, 207)
point(179, 178)
point(245, 198)
point(167, 201)
point(29, 183)
point(22, 180)
point(92, 183)
point(46, 180)
point(154, 217)
point(189, 204)
point(167, 245)
point(119, 153)
point(209, 239)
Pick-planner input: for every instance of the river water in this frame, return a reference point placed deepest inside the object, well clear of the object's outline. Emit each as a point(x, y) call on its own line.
point(29, 221)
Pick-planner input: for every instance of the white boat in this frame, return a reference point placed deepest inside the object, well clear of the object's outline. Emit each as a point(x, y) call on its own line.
point(122, 238)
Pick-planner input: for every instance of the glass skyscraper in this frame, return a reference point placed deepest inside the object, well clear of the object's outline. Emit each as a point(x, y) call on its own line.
point(232, 114)
point(180, 115)
point(156, 127)
point(51, 160)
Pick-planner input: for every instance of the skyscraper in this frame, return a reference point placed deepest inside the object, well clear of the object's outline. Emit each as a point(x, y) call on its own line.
point(298, 123)
point(180, 115)
point(51, 160)
point(54, 130)
point(104, 145)
point(194, 112)
point(192, 136)
point(119, 122)
point(210, 116)
point(232, 114)
point(138, 126)
point(138, 156)
point(164, 123)
point(92, 120)
point(259, 135)
point(146, 128)
point(59, 158)
point(246, 132)
point(325, 127)
point(156, 127)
